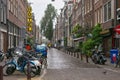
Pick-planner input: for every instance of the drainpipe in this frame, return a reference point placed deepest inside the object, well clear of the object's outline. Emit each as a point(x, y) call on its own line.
point(7, 24)
point(115, 23)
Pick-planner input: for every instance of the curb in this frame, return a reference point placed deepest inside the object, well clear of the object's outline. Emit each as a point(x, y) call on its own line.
point(36, 78)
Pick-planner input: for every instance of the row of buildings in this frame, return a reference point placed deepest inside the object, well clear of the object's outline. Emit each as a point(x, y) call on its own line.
point(13, 23)
point(88, 13)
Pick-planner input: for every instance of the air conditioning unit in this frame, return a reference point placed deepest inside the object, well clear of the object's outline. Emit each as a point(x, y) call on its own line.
point(118, 14)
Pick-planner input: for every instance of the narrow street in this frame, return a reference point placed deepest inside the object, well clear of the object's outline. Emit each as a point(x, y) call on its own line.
point(62, 66)
point(78, 26)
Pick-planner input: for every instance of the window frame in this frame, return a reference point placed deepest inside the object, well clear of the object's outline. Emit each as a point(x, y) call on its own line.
point(108, 15)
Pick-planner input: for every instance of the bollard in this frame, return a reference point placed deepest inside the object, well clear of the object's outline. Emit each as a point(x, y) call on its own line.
point(1, 73)
point(28, 71)
point(81, 56)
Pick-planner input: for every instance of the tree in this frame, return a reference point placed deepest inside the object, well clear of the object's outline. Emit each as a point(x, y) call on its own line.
point(96, 39)
point(76, 31)
point(96, 36)
point(49, 30)
point(47, 21)
point(87, 46)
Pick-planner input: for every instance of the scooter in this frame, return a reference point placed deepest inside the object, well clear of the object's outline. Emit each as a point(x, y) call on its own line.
point(16, 64)
point(98, 57)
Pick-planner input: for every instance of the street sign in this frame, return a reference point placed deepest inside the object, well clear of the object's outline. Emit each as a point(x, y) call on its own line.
point(29, 29)
point(29, 19)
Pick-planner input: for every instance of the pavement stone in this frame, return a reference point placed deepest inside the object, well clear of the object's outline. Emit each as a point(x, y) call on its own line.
point(108, 64)
point(36, 78)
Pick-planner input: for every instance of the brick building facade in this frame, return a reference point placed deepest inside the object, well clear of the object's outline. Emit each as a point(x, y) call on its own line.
point(88, 13)
point(3, 25)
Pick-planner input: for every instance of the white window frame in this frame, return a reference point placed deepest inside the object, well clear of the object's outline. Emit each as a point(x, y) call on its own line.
point(105, 20)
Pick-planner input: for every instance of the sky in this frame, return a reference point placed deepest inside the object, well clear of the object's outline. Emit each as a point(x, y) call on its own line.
point(39, 6)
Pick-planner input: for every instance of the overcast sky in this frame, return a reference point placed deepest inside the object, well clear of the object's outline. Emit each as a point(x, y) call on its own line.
point(39, 6)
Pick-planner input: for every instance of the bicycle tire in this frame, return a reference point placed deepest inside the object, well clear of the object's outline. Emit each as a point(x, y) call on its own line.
point(10, 69)
point(33, 73)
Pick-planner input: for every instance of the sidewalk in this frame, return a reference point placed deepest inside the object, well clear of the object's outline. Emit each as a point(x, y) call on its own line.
point(36, 78)
point(108, 65)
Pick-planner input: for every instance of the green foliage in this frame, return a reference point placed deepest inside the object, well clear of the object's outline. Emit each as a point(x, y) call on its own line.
point(77, 32)
point(47, 21)
point(65, 41)
point(76, 28)
point(30, 40)
point(87, 46)
point(78, 35)
point(96, 39)
point(96, 36)
point(49, 30)
point(80, 46)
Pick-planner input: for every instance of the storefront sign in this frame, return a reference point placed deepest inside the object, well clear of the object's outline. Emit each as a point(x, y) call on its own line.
point(117, 29)
point(117, 35)
point(29, 19)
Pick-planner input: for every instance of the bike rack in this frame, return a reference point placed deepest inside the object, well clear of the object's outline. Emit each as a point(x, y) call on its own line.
point(1, 73)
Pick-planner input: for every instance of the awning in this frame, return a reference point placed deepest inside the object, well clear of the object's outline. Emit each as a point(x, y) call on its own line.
point(117, 29)
point(104, 31)
point(79, 39)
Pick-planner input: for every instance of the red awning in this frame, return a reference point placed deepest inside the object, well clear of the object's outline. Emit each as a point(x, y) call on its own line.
point(117, 29)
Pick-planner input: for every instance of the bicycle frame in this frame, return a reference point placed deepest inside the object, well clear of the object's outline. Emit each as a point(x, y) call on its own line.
point(19, 67)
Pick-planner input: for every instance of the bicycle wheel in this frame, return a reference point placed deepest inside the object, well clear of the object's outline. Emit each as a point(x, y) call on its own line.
point(32, 69)
point(44, 62)
point(9, 69)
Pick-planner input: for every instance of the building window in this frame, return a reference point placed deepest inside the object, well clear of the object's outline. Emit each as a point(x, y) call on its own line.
point(91, 4)
point(95, 17)
point(8, 5)
point(101, 15)
point(107, 11)
point(98, 15)
point(5, 14)
point(0, 11)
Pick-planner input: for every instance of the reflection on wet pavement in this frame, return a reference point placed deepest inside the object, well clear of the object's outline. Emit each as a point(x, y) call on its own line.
point(60, 60)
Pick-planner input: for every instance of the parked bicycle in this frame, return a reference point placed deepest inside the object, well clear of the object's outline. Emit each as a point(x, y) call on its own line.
point(98, 57)
point(20, 62)
point(43, 61)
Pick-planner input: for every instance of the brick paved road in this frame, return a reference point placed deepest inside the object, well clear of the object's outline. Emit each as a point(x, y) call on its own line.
point(62, 66)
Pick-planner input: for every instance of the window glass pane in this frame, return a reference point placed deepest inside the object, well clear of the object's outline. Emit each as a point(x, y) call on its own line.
point(109, 10)
point(105, 13)
point(2, 16)
point(5, 15)
point(0, 11)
